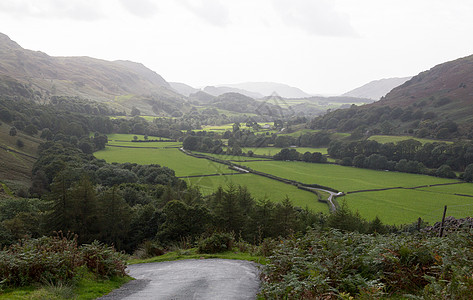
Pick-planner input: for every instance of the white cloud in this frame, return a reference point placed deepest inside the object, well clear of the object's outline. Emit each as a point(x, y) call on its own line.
point(212, 11)
point(140, 8)
point(84, 10)
point(318, 17)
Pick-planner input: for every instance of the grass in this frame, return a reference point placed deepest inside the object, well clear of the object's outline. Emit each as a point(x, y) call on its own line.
point(383, 139)
point(397, 206)
point(181, 163)
point(87, 288)
point(260, 188)
point(192, 254)
point(14, 167)
point(343, 178)
point(405, 206)
point(464, 189)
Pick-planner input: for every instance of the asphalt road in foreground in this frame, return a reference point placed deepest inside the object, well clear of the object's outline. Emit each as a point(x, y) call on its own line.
point(191, 279)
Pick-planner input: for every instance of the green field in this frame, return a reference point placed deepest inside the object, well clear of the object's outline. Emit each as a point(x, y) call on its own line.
point(383, 139)
point(261, 187)
point(342, 178)
point(463, 188)
point(183, 164)
point(405, 206)
point(392, 206)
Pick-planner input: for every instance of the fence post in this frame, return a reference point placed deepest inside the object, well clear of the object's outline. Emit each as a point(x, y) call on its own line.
point(443, 221)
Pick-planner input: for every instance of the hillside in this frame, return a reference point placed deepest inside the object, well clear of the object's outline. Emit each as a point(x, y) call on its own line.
point(377, 88)
point(446, 90)
point(16, 162)
point(242, 104)
point(220, 90)
point(268, 88)
point(121, 83)
point(183, 88)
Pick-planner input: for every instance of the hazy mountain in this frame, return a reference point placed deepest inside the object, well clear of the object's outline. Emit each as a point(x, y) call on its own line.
point(268, 88)
point(243, 104)
point(125, 83)
point(202, 97)
point(220, 90)
point(377, 88)
point(183, 88)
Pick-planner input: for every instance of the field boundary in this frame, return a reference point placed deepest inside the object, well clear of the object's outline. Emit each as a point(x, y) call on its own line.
point(210, 175)
point(17, 152)
point(410, 188)
point(307, 187)
point(134, 147)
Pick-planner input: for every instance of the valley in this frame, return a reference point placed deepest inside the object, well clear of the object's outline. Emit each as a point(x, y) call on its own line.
point(95, 153)
point(394, 197)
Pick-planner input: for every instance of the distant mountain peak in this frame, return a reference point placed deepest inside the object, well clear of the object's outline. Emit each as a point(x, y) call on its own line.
point(376, 88)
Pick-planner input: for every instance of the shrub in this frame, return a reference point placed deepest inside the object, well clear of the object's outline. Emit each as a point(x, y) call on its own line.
point(20, 143)
point(56, 260)
point(218, 242)
point(52, 259)
point(103, 260)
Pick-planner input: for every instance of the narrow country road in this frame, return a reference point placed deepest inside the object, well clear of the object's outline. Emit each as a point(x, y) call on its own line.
point(191, 279)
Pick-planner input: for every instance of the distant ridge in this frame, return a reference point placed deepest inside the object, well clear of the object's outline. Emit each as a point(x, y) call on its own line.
point(86, 77)
point(377, 88)
point(265, 89)
point(183, 89)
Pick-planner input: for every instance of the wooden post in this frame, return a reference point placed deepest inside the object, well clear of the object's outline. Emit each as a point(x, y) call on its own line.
point(443, 221)
point(418, 223)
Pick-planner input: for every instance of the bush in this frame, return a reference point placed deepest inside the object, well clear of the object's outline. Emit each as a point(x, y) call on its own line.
point(20, 143)
point(56, 260)
point(218, 242)
point(103, 260)
point(52, 259)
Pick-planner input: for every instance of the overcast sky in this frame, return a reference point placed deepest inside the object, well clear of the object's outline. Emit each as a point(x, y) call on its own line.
point(320, 46)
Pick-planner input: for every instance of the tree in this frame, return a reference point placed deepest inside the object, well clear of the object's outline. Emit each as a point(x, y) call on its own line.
point(20, 143)
point(468, 175)
point(30, 129)
point(236, 127)
point(116, 216)
point(135, 112)
point(13, 131)
point(445, 171)
point(359, 161)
